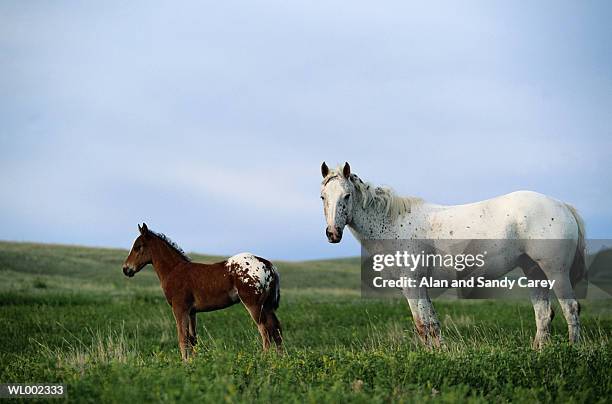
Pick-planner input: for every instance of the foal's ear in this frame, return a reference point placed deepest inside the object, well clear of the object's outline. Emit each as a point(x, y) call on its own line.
point(324, 170)
point(346, 171)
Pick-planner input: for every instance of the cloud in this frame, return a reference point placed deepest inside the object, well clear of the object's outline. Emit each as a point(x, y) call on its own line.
point(268, 190)
point(212, 121)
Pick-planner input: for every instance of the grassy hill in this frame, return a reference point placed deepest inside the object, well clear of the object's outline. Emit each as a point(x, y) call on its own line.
point(69, 315)
point(41, 269)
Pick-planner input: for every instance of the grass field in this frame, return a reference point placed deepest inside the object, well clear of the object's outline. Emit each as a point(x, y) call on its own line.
point(69, 315)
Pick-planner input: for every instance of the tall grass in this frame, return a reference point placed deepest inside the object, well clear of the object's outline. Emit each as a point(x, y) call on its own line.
point(95, 348)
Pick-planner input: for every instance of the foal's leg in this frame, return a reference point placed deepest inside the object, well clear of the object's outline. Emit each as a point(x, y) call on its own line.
point(181, 315)
point(274, 331)
point(193, 329)
point(260, 317)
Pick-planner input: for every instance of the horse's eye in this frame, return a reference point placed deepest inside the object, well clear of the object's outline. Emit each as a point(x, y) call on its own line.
point(346, 197)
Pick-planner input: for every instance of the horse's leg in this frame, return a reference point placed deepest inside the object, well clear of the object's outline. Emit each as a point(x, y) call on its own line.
point(260, 317)
point(193, 329)
point(181, 315)
point(565, 294)
point(540, 299)
point(274, 331)
point(425, 318)
point(418, 320)
point(569, 306)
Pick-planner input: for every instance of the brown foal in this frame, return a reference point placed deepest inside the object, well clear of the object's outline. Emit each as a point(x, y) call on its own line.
point(192, 287)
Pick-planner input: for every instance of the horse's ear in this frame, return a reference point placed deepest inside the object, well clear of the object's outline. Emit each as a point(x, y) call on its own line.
point(324, 170)
point(139, 228)
point(346, 171)
point(144, 229)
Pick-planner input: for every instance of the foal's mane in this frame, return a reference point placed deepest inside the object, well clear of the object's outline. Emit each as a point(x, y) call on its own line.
point(170, 244)
point(382, 199)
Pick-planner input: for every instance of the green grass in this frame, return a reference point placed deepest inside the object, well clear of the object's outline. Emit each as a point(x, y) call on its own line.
point(69, 315)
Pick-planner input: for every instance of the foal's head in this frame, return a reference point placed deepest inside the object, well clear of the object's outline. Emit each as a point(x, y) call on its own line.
point(337, 193)
point(140, 254)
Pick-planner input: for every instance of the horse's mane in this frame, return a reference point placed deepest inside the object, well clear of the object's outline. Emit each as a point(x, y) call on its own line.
point(171, 244)
point(382, 199)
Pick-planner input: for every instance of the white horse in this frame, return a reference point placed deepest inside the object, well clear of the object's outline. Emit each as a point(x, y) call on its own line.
point(377, 213)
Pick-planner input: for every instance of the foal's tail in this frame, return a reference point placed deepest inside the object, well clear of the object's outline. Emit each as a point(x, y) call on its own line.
point(273, 299)
point(578, 268)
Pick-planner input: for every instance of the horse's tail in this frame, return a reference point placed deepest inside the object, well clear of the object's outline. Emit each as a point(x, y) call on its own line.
point(273, 300)
point(578, 268)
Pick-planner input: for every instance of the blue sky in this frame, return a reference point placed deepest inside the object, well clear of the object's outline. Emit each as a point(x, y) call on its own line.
point(209, 120)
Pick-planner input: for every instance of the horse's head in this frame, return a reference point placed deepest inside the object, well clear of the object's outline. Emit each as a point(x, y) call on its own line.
point(337, 193)
point(140, 254)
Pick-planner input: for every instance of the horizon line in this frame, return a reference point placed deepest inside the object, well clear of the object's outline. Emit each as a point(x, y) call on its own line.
point(99, 247)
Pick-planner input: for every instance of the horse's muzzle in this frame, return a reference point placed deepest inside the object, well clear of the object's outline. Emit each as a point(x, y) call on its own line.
point(333, 236)
point(127, 271)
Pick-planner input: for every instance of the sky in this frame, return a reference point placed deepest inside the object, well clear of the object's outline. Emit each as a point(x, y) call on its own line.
point(209, 120)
